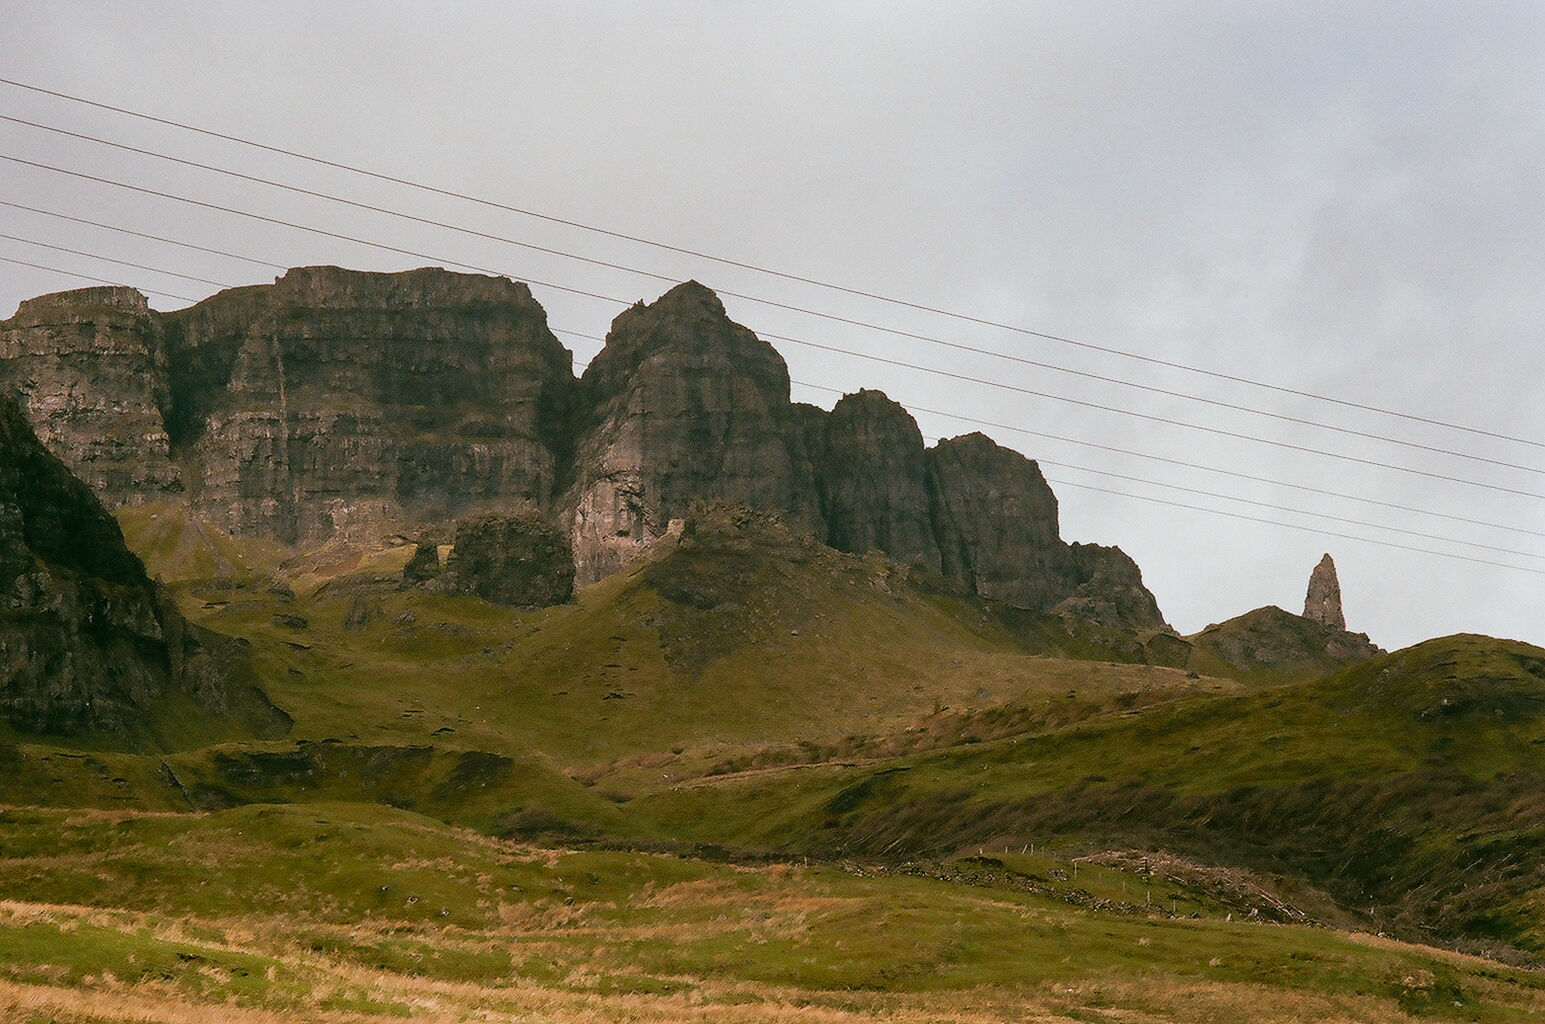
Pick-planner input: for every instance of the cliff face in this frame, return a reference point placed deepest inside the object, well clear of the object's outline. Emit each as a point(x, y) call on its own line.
point(681, 404)
point(90, 371)
point(873, 478)
point(342, 404)
point(995, 518)
point(86, 644)
point(335, 404)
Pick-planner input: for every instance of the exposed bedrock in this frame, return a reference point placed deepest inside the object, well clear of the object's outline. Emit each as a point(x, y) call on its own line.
point(86, 641)
point(337, 405)
point(682, 404)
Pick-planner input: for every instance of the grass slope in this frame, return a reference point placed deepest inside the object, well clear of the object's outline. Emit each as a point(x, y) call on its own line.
point(1002, 826)
point(1406, 788)
point(343, 911)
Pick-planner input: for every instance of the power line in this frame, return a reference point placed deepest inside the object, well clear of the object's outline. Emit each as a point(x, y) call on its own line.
point(881, 359)
point(1298, 511)
point(141, 234)
point(1160, 419)
point(1298, 526)
point(298, 227)
point(109, 259)
point(89, 277)
point(867, 325)
point(878, 359)
point(771, 272)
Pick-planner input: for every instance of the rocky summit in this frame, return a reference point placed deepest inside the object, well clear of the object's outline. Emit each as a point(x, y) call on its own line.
point(337, 406)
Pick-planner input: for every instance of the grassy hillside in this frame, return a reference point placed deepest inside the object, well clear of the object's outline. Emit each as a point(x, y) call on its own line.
point(898, 803)
point(1407, 789)
point(345, 911)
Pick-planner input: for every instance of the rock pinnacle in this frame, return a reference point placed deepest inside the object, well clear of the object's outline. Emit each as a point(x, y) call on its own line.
point(1323, 602)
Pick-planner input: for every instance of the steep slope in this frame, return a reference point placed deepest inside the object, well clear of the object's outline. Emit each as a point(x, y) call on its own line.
point(87, 646)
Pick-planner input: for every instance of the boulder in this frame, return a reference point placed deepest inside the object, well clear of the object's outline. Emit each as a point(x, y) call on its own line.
point(423, 566)
point(519, 559)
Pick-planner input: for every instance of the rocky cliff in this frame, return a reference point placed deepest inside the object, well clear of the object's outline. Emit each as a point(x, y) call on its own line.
point(342, 404)
point(338, 405)
point(872, 473)
point(682, 404)
point(86, 642)
point(89, 369)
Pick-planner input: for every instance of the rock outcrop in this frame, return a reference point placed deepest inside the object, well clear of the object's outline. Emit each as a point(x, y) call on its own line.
point(1322, 604)
point(338, 406)
point(1107, 590)
point(519, 559)
point(995, 518)
point(682, 404)
point(90, 371)
point(872, 475)
point(86, 642)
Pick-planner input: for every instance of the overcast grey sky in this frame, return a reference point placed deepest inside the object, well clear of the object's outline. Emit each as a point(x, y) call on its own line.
point(1341, 200)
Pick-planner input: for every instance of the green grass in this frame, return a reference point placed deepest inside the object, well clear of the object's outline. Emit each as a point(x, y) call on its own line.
point(743, 701)
point(282, 907)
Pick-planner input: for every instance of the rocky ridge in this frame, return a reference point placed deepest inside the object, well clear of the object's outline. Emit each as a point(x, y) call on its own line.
point(341, 406)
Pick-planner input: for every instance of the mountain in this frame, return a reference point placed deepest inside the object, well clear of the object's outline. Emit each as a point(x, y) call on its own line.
point(341, 407)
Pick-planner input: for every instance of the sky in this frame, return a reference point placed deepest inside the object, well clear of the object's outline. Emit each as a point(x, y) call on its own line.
point(1252, 282)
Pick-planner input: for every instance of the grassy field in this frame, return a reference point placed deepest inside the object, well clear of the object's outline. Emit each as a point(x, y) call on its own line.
point(347, 911)
point(754, 779)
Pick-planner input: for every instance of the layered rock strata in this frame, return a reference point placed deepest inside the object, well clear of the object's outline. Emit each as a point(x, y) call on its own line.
point(338, 404)
point(335, 405)
point(90, 371)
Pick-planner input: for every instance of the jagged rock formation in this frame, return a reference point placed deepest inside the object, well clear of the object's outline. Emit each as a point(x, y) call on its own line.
point(1322, 604)
point(681, 404)
point(90, 371)
point(86, 642)
point(520, 560)
point(337, 405)
point(872, 474)
point(341, 404)
point(1107, 590)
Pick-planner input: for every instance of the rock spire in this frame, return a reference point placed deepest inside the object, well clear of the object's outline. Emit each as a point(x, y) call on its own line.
point(1323, 602)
